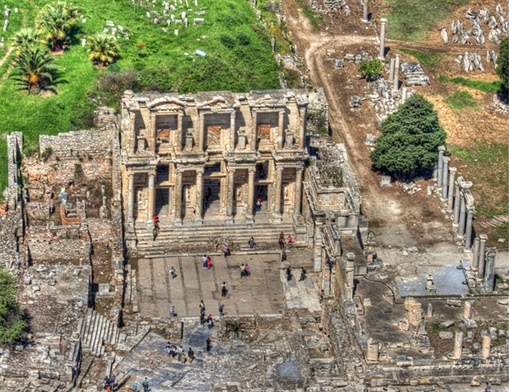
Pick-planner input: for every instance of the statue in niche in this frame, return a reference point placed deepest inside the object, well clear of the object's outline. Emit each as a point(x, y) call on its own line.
point(189, 140)
point(187, 193)
point(289, 138)
point(242, 139)
point(239, 194)
point(287, 192)
point(140, 199)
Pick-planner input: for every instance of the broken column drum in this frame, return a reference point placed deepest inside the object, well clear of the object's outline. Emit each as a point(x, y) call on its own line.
point(458, 345)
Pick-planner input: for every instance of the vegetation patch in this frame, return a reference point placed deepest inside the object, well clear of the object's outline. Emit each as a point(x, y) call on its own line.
point(315, 19)
point(411, 19)
point(460, 100)
point(487, 87)
point(425, 58)
point(12, 323)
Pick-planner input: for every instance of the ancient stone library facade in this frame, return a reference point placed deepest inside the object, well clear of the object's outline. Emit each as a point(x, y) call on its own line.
point(193, 159)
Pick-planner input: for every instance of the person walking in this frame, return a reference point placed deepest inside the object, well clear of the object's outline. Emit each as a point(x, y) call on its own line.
point(190, 354)
point(173, 272)
point(242, 271)
point(251, 243)
point(302, 274)
point(208, 343)
point(283, 255)
point(289, 273)
point(221, 310)
point(154, 233)
point(281, 240)
point(204, 261)
point(225, 250)
point(145, 384)
point(202, 306)
point(224, 289)
point(247, 270)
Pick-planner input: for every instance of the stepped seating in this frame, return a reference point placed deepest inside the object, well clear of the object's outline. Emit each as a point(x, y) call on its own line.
point(96, 331)
point(209, 238)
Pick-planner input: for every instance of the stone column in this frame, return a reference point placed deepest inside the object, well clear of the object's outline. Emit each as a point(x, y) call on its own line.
point(489, 271)
point(467, 310)
point(445, 175)
point(391, 70)
point(232, 130)
point(281, 132)
point(461, 227)
point(441, 150)
point(365, 12)
point(130, 200)
point(381, 54)
point(450, 191)
point(475, 260)
point(201, 130)
point(250, 195)
point(350, 269)
point(178, 199)
point(468, 230)
point(230, 195)
point(302, 131)
point(430, 310)
point(372, 352)
point(298, 192)
point(317, 248)
point(482, 254)
point(458, 345)
point(457, 203)
point(395, 80)
point(151, 201)
point(199, 197)
point(277, 189)
point(486, 346)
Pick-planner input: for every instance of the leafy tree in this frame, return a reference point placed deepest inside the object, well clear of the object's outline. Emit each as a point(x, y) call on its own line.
point(12, 323)
point(56, 22)
point(103, 49)
point(35, 68)
point(23, 39)
point(503, 64)
point(371, 69)
point(408, 146)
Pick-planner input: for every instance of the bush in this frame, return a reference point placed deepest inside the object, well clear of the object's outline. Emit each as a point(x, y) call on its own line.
point(111, 85)
point(227, 41)
point(371, 69)
point(12, 324)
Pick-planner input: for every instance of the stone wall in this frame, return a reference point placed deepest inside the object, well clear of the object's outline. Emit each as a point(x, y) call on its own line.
point(58, 243)
point(76, 144)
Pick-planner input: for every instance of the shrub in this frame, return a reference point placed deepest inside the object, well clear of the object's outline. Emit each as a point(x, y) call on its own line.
point(243, 39)
point(227, 41)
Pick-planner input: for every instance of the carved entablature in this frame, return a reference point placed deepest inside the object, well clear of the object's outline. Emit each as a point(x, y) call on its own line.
point(167, 104)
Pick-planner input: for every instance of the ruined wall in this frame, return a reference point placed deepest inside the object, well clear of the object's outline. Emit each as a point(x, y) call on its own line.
point(58, 243)
point(77, 143)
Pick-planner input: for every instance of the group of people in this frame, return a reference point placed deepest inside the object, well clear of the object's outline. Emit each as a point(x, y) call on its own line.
point(110, 382)
point(207, 262)
point(145, 384)
point(282, 242)
point(155, 229)
point(303, 275)
point(180, 353)
point(209, 320)
point(245, 270)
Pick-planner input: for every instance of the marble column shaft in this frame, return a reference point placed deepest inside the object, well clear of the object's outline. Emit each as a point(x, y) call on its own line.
point(199, 196)
point(450, 191)
point(383, 27)
point(298, 192)
point(151, 200)
point(482, 254)
point(461, 227)
point(395, 80)
point(178, 198)
point(457, 203)
point(475, 261)
point(469, 228)
point(440, 165)
point(458, 345)
point(278, 185)
point(250, 192)
point(445, 177)
point(391, 69)
point(365, 12)
point(230, 194)
point(130, 201)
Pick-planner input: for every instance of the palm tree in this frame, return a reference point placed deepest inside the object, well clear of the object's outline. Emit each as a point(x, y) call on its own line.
point(23, 39)
point(36, 70)
point(103, 49)
point(56, 22)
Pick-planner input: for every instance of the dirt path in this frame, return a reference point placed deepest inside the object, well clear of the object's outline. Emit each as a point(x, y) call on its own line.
point(396, 218)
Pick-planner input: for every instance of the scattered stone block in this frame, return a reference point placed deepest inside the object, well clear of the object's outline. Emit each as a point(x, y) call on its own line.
point(445, 335)
point(447, 324)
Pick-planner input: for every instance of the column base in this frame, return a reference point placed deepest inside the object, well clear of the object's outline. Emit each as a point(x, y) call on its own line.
point(178, 222)
point(276, 218)
point(364, 20)
point(449, 211)
point(229, 220)
point(150, 224)
point(249, 219)
point(198, 222)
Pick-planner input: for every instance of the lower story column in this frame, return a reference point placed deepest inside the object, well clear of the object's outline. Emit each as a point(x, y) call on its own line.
point(178, 199)
point(199, 197)
point(250, 195)
point(298, 192)
point(229, 196)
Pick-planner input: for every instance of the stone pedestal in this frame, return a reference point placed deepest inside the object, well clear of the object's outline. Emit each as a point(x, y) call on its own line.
point(458, 345)
point(383, 27)
point(486, 346)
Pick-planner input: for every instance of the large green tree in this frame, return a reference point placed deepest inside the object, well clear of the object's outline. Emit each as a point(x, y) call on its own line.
point(12, 323)
point(103, 49)
point(408, 146)
point(503, 64)
point(35, 69)
point(56, 22)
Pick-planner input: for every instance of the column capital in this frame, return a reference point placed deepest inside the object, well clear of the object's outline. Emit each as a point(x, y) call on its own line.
point(446, 159)
point(452, 169)
point(467, 184)
point(441, 148)
point(483, 237)
point(383, 20)
point(279, 168)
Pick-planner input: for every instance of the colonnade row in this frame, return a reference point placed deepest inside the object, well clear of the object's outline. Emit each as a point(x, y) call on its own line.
point(457, 196)
point(181, 194)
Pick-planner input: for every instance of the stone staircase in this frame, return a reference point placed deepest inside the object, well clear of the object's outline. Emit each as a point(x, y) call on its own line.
point(96, 331)
point(209, 238)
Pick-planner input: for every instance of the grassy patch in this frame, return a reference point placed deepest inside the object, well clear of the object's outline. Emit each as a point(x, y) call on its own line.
point(460, 100)
point(315, 19)
point(487, 87)
point(410, 19)
point(487, 166)
point(160, 60)
point(424, 58)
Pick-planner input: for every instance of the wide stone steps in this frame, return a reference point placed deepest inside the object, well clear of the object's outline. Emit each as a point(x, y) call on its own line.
point(209, 238)
point(96, 331)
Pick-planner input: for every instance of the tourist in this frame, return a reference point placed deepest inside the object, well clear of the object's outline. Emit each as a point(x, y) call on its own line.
point(289, 240)
point(259, 203)
point(146, 385)
point(226, 250)
point(202, 318)
point(283, 255)
point(289, 273)
point(190, 354)
point(210, 322)
point(202, 306)
point(208, 343)
point(204, 261)
point(247, 270)
point(322, 294)
point(154, 233)
point(302, 274)
point(224, 289)
point(242, 271)
point(134, 386)
point(221, 310)
point(281, 240)
point(209, 263)
point(251, 243)
point(173, 272)
point(155, 219)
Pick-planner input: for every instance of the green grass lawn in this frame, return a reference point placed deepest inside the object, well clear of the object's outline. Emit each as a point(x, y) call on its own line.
point(460, 100)
point(487, 87)
point(238, 58)
point(410, 19)
point(424, 58)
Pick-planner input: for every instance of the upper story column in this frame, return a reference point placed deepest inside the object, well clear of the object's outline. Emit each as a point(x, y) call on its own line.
point(130, 199)
point(201, 129)
point(232, 130)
